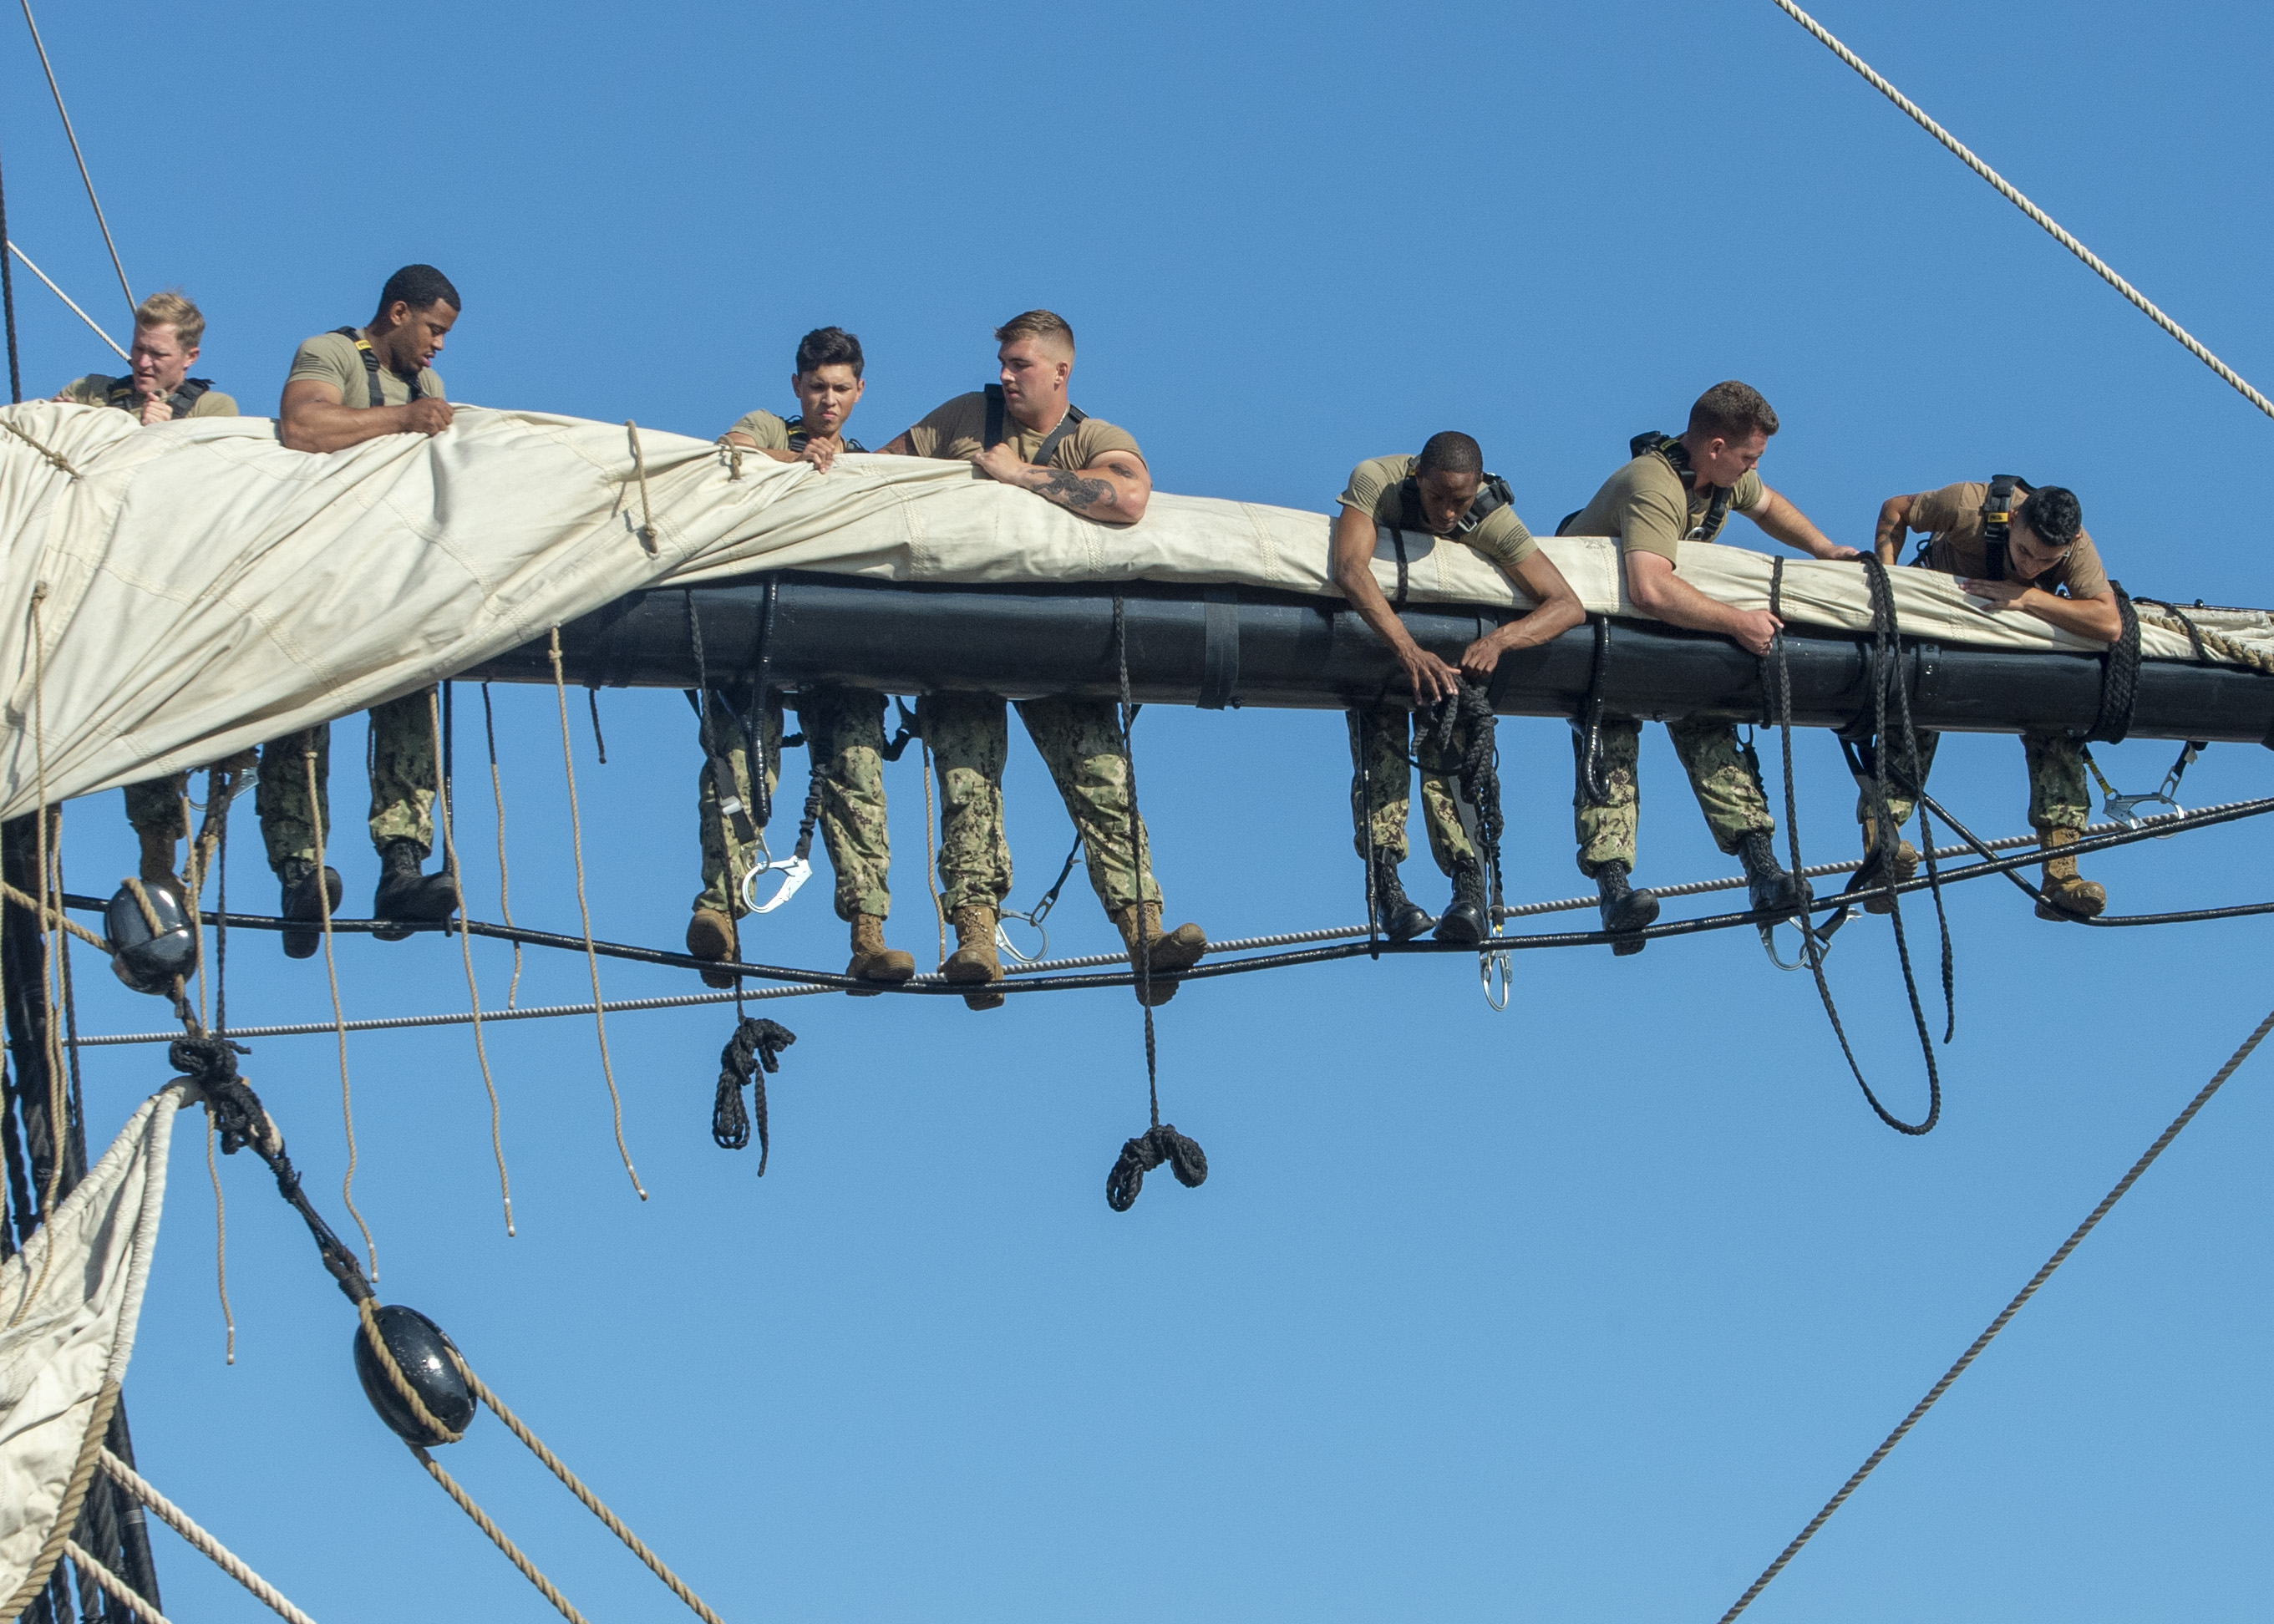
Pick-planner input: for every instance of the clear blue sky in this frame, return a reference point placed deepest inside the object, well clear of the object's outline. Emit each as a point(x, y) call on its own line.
point(1573, 1312)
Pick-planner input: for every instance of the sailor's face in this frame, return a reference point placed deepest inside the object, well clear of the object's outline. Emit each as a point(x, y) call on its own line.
point(1033, 375)
point(1725, 462)
point(419, 334)
point(159, 361)
point(826, 397)
point(2026, 553)
point(1445, 497)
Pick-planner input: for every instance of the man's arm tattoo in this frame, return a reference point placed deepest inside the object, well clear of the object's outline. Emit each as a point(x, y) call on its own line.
point(1072, 489)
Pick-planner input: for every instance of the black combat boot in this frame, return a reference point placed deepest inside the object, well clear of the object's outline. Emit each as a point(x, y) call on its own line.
point(303, 901)
point(1624, 909)
point(1401, 918)
point(405, 894)
point(1466, 921)
point(1769, 891)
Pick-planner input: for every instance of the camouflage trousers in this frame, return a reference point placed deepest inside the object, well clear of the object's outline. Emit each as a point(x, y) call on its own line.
point(845, 741)
point(1080, 742)
point(1728, 789)
point(1382, 738)
point(725, 745)
point(154, 806)
point(2057, 796)
point(403, 782)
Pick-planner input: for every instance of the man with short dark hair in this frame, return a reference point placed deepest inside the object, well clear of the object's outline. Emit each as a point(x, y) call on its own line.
point(169, 331)
point(1672, 491)
point(345, 387)
point(1023, 430)
point(2050, 569)
point(1445, 493)
point(844, 727)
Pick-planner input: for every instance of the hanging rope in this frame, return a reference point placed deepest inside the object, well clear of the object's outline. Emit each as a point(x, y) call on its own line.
point(448, 818)
point(2005, 1315)
point(8, 317)
point(221, 1245)
point(2099, 267)
point(72, 135)
point(127, 1479)
point(647, 514)
point(584, 913)
point(754, 1050)
point(505, 872)
point(339, 1016)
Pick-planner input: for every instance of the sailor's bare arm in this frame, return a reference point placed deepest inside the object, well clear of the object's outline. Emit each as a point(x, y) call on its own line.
point(1787, 524)
point(311, 418)
point(1661, 594)
point(1112, 490)
point(1558, 610)
point(1894, 525)
point(1431, 678)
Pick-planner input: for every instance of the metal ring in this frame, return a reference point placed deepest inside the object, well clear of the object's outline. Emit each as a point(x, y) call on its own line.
point(1003, 937)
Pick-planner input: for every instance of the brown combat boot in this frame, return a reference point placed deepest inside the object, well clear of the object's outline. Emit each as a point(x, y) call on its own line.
point(974, 959)
point(157, 855)
point(1904, 868)
point(1168, 951)
point(872, 961)
point(2067, 894)
point(711, 935)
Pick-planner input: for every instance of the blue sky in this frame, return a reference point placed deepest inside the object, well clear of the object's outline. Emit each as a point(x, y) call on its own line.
point(1572, 1312)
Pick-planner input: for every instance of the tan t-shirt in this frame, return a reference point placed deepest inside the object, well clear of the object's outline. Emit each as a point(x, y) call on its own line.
point(1374, 489)
point(958, 430)
point(333, 358)
point(1953, 513)
point(1651, 508)
point(95, 390)
point(773, 433)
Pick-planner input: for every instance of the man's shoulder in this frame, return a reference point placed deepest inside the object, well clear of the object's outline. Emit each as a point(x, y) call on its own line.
point(1094, 437)
point(429, 384)
point(325, 355)
point(215, 404)
point(1388, 469)
point(972, 403)
point(770, 431)
point(1648, 472)
point(92, 390)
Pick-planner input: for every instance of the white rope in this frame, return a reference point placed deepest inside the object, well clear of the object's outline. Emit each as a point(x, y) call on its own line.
point(40, 45)
point(67, 299)
point(118, 1588)
point(2007, 190)
point(126, 1477)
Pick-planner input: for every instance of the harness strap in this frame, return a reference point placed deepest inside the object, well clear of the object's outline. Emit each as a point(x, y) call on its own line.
point(122, 394)
point(1073, 419)
point(1670, 450)
point(1997, 520)
point(799, 438)
point(371, 366)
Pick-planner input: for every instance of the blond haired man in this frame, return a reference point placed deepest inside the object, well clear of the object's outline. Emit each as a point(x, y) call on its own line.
point(1023, 430)
point(157, 388)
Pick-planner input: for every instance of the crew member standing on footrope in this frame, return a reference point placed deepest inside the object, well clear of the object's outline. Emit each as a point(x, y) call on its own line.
point(844, 727)
point(345, 387)
point(2046, 566)
point(169, 331)
point(1445, 492)
point(1024, 431)
point(1674, 491)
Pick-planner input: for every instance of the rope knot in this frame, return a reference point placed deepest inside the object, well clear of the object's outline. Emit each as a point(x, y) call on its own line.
point(754, 1050)
point(211, 1064)
point(1149, 1150)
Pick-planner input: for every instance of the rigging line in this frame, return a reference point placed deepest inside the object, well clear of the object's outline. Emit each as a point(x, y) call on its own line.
point(318, 805)
point(118, 1589)
point(584, 911)
point(220, 1239)
point(67, 299)
point(8, 304)
point(235, 1566)
point(40, 45)
point(529, 1569)
point(2005, 1314)
point(448, 820)
point(58, 1137)
point(2005, 190)
point(505, 873)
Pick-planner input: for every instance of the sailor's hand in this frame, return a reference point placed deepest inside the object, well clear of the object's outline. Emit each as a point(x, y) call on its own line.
point(2001, 594)
point(820, 454)
point(1756, 631)
point(1431, 678)
point(155, 409)
point(427, 415)
point(1481, 657)
point(1000, 463)
point(1844, 555)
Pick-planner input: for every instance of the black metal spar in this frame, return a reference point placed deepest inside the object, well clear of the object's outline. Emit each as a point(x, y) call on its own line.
point(1214, 646)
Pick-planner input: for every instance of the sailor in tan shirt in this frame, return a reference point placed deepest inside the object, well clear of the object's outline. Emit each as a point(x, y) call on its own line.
point(1445, 493)
point(2050, 570)
point(1024, 430)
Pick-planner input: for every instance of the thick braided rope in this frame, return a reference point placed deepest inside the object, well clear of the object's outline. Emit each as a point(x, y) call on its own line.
point(133, 1600)
point(90, 1451)
point(53, 917)
point(2005, 1314)
point(367, 1309)
point(575, 1485)
point(61, 462)
point(529, 1569)
point(2005, 190)
point(316, 809)
point(639, 466)
point(448, 819)
point(126, 1477)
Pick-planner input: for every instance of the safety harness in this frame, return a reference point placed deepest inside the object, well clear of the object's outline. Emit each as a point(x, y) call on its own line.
point(1073, 419)
point(1492, 494)
point(1997, 522)
point(371, 366)
point(798, 437)
point(1669, 449)
point(121, 395)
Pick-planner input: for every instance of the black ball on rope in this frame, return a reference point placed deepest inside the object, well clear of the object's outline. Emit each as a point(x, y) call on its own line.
point(422, 1353)
point(1149, 1150)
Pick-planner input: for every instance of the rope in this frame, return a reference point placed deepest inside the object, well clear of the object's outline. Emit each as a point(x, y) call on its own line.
point(51, 1550)
point(72, 135)
point(2099, 267)
point(339, 1018)
point(2005, 1315)
point(529, 1569)
point(133, 1600)
point(2120, 679)
point(575, 1485)
point(754, 1050)
point(8, 315)
point(221, 1243)
point(505, 872)
point(127, 1479)
point(647, 515)
point(367, 1310)
point(54, 456)
point(51, 917)
point(56, 1136)
point(448, 820)
point(584, 913)
point(73, 303)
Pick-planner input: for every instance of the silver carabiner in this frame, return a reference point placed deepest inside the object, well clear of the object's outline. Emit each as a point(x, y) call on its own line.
point(1500, 968)
point(794, 873)
point(1010, 949)
point(1768, 946)
point(2124, 809)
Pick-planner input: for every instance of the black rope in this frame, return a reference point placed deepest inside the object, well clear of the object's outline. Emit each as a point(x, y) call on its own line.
point(220, 895)
point(592, 698)
point(1161, 1142)
point(762, 661)
point(1479, 769)
point(2120, 676)
point(754, 1050)
point(1592, 780)
point(2187, 622)
point(8, 302)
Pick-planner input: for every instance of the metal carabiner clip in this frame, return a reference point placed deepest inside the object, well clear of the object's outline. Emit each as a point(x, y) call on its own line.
point(1009, 948)
point(2124, 809)
point(1497, 969)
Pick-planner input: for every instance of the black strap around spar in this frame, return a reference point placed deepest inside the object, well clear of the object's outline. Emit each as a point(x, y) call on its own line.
point(371, 366)
point(1676, 457)
point(2120, 676)
point(1073, 419)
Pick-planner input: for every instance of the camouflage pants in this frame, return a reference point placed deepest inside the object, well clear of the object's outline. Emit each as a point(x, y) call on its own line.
point(1727, 790)
point(402, 778)
point(154, 806)
point(726, 863)
point(2057, 796)
point(1080, 742)
point(1380, 777)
